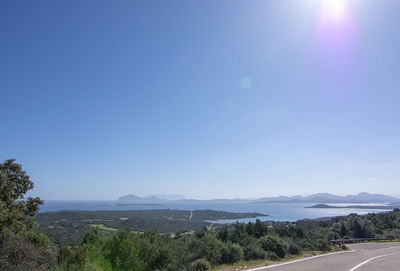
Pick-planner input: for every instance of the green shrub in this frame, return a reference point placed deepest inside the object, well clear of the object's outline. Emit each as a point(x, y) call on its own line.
point(72, 258)
point(152, 251)
point(253, 252)
point(122, 250)
point(18, 253)
point(306, 244)
point(274, 244)
point(294, 249)
point(323, 245)
point(200, 265)
point(272, 256)
point(232, 253)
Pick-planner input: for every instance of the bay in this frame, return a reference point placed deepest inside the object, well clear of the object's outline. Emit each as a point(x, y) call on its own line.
point(271, 211)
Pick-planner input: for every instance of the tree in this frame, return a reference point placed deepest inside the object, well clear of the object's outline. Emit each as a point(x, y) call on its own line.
point(343, 230)
point(260, 229)
point(22, 245)
point(123, 251)
point(14, 210)
point(223, 233)
point(92, 236)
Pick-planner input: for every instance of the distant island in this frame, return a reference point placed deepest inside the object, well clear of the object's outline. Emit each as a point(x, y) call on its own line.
point(378, 207)
point(314, 198)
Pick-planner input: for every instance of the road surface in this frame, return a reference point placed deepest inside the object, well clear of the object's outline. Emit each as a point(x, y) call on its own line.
point(361, 257)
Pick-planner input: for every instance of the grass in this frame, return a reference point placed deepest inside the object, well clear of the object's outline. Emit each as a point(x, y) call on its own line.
point(103, 227)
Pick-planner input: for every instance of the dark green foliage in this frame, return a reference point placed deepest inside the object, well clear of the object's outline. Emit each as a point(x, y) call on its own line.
point(294, 249)
point(92, 236)
point(206, 248)
point(72, 258)
point(232, 253)
point(158, 250)
point(22, 245)
point(323, 245)
point(238, 234)
point(272, 256)
point(69, 227)
point(257, 229)
point(253, 251)
point(362, 229)
point(123, 251)
point(14, 183)
point(223, 233)
point(19, 253)
point(343, 230)
point(274, 244)
point(200, 265)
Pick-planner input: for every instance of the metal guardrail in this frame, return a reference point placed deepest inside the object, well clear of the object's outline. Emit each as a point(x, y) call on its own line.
point(358, 240)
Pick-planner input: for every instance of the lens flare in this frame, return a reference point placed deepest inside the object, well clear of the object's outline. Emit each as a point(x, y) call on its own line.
point(334, 10)
point(335, 26)
point(336, 40)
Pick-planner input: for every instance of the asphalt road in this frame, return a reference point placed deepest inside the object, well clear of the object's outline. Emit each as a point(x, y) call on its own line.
point(361, 257)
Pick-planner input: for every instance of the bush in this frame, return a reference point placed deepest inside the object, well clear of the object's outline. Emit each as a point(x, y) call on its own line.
point(122, 251)
point(18, 253)
point(323, 245)
point(294, 249)
point(232, 253)
point(272, 256)
point(157, 250)
point(215, 250)
point(274, 244)
point(152, 251)
point(72, 258)
point(306, 244)
point(253, 252)
point(200, 265)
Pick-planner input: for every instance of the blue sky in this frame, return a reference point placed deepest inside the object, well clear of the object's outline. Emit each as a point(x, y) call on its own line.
point(204, 98)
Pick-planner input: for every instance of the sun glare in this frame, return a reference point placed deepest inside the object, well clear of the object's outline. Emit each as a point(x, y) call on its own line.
point(334, 10)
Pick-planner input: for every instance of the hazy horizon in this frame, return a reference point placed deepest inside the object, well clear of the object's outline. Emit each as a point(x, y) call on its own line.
point(232, 198)
point(210, 99)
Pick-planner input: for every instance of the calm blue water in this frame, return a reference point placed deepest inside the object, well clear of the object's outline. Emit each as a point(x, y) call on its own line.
point(276, 211)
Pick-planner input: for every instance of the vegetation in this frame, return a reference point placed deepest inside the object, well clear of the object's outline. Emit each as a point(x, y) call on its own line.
point(205, 249)
point(69, 227)
point(24, 247)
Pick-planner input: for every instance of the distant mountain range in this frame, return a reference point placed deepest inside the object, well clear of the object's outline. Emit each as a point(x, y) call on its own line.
point(166, 196)
point(330, 198)
point(151, 198)
point(315, 198)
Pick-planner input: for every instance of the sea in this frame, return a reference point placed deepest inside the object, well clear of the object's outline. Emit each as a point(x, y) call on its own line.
point(270, 211)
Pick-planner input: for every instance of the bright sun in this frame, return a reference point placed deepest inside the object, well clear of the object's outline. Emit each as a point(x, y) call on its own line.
point(334, 10)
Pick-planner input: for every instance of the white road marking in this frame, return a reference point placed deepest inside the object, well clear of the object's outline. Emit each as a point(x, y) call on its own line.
point(371, 259)
point(299, 260)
